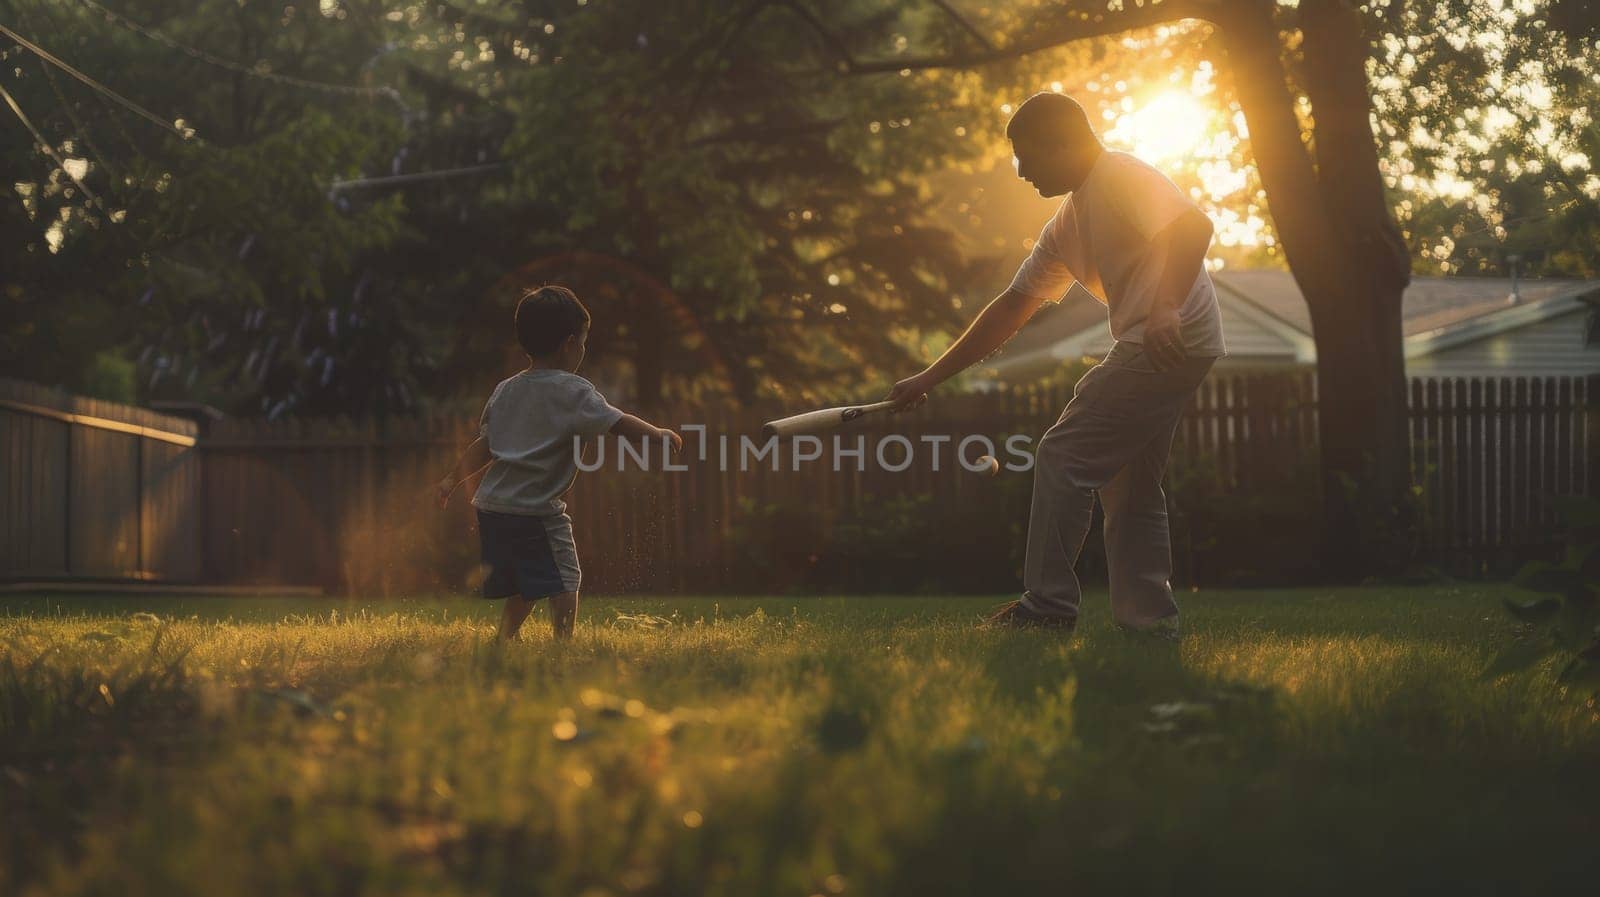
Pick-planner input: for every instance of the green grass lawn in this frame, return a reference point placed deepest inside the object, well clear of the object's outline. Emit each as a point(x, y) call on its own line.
point(1295, 742)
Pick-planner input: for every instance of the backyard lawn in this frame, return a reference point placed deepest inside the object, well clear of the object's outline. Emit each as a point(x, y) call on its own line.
point(1295, 742)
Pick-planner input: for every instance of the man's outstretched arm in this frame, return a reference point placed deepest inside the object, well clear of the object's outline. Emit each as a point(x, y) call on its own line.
point(998, 322)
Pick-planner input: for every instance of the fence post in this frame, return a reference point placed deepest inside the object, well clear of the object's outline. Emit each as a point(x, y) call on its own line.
point(1522, 500)
point(1548, 409)
point(66, 510)
point(139, 485)
point(1434, 451)
point(1504, 426)
point(1591, 435)
point(1476, 493)
point(1566, 411)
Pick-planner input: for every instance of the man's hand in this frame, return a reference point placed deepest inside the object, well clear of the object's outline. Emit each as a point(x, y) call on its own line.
point(1163, 339)
point(672, 438)
point(910, 392)
point(1184, 244)
point(444, 489)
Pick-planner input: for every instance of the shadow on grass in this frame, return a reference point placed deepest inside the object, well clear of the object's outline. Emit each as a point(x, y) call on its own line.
point(894, 749)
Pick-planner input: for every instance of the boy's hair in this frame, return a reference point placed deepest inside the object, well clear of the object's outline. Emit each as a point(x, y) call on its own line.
point(1051, 116)
point(546, 316)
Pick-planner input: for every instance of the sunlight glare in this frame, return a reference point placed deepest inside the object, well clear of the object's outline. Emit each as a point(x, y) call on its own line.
point(1170, 126)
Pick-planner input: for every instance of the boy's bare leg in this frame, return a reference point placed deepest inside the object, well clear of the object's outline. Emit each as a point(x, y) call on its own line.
point(516, 610)
point(563, 613)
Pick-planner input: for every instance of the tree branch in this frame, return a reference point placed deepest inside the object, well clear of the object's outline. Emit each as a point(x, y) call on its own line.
point(966, 25)
point(760, 132)
point(740, 22)
point(1075, 26)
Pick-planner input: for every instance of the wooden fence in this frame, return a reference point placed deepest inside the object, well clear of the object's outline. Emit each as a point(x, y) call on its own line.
point(1489, 454)
point(321, 501)
point(347, 505)
point(95, 490)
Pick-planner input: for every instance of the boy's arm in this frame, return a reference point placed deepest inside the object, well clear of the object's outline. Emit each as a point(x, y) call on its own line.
point(475, 458)
point(631, 427)
point(996, 324)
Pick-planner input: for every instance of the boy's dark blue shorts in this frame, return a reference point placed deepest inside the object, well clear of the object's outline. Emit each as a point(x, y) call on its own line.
point(534, 557)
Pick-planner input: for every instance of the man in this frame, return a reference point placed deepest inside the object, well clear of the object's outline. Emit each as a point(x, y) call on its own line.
point(1138, 244)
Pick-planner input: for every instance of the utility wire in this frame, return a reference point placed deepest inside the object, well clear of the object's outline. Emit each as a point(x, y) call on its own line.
point(123, 101)
point(66, 106)
point(45, 145)
point(413, 177)
point(239, 67)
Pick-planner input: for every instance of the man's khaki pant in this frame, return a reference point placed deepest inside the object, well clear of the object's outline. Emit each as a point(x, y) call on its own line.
point(1113, 438)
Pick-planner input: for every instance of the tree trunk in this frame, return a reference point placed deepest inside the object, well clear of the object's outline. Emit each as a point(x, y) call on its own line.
point(1363, 396)
point(1346, 255)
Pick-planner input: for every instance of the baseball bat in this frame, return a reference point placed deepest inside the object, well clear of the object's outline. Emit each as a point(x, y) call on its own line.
point(818, 421)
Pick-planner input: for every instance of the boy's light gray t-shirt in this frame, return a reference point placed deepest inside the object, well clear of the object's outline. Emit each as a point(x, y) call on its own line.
point(530, 421)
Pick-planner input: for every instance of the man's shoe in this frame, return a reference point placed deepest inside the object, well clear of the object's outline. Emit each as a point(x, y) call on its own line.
point(1016, 615)
point(1164, 629)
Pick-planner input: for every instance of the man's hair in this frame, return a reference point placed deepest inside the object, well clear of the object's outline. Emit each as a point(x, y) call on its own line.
point(1054, 117)
point(546, 316)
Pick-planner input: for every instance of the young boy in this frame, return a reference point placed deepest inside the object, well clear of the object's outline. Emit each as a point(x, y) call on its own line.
point(526, 438)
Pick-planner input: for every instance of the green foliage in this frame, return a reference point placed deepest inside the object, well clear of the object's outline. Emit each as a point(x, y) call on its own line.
point(901, 543)
point(780, 213)
point(1495, 101)
point(1224, 535)
point(205, 258)
point(253, 227)
point(711, 159)
point(1567, 623)
point(775, 545)
point(110, 377)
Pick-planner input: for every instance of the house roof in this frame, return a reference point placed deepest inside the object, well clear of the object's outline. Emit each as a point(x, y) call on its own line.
point(1430, 303)
point(1076, 312)
point(1267, 309)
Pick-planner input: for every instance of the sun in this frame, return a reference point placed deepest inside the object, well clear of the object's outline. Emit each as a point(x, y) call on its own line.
point(1171, 125)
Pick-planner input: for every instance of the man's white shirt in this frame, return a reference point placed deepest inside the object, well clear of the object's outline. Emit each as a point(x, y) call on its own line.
point(1101, 237)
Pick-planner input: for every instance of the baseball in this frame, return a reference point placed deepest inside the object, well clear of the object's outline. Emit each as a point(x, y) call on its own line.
point(988, 466)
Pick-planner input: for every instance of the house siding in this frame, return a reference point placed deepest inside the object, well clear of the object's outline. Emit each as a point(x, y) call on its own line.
point(1247, 338)
point(1553, 347)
